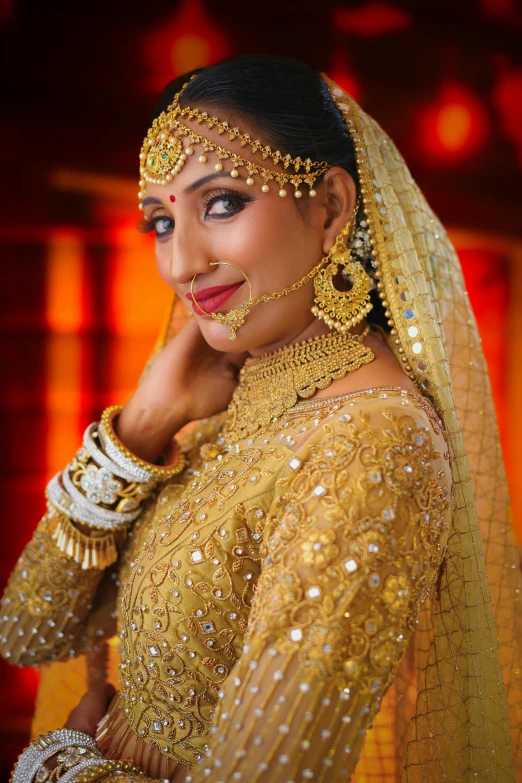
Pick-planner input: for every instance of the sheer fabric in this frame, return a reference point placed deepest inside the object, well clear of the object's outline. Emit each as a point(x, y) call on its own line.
point(455, 709)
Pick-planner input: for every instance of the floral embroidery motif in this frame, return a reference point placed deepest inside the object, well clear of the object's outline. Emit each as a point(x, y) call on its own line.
point(396, 593)
point(319, 549)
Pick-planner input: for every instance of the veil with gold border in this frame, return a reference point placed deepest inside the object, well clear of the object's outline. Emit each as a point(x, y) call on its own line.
point(454, 711)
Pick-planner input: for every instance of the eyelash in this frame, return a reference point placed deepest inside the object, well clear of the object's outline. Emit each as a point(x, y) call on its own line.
point(147, 226)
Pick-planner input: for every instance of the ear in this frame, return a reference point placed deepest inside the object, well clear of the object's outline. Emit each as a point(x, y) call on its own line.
point(338, 201)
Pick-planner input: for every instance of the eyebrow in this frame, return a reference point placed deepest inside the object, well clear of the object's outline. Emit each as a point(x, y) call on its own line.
point(190, 188)
point(203, 181)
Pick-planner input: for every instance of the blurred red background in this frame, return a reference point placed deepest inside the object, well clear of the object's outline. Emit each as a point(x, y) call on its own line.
point(81, 301)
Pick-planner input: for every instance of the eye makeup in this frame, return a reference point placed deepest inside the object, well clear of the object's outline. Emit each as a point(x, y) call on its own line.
point(232, 201)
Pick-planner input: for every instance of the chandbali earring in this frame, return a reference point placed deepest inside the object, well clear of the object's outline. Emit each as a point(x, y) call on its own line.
point(235, 318)
point(341, 310)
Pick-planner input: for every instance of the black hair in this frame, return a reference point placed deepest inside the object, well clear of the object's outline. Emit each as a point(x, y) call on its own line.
point(284, 101)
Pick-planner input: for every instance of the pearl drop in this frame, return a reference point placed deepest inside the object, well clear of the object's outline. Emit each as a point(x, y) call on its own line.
point(312, 193)
point(219, 167)
point(189, 151)
point(202, 158)
point(250, 181)
point(234, 173)
point(297, 193)
point(282, 193)
point(265, 188)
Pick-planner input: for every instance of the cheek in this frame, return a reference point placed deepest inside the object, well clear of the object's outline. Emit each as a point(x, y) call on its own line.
point(262, 239)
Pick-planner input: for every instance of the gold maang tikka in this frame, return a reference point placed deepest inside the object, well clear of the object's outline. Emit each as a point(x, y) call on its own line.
point(163, 153)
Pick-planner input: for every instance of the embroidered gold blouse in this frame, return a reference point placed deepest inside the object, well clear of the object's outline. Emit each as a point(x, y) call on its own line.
point(266, 596)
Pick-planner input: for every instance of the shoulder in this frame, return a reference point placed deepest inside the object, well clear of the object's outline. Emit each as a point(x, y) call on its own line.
point(373, 443)
point(385, 413)
point(377, 461)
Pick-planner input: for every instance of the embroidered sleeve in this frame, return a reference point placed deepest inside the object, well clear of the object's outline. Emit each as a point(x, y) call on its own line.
point(51, 608)
point(352, 546)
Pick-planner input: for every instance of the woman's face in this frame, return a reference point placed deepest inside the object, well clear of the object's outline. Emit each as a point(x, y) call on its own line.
point(204, 217)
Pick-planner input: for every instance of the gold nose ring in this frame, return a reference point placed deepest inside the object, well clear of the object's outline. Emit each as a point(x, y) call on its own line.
point(219, 263)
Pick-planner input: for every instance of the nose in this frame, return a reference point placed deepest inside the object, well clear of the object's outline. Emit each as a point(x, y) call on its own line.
point(188, 256)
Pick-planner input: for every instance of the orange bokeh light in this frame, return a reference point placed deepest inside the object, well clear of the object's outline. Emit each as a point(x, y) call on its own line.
point(455, 125)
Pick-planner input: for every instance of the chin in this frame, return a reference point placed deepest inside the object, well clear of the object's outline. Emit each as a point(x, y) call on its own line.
point(217, 336)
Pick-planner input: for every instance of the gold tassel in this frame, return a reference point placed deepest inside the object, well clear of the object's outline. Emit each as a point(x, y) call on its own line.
point(88, 551)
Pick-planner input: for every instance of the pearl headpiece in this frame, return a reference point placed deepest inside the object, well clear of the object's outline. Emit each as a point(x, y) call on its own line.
point(163, 153)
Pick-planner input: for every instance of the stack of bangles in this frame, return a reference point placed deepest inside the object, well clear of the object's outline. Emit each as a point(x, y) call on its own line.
point(69, 756)
point(102, 489)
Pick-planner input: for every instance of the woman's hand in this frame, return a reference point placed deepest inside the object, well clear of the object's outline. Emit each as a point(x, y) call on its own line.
point(92, 707)
point(188, 380)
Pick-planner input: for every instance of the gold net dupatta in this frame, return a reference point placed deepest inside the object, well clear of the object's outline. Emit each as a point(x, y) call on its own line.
point(454, 711)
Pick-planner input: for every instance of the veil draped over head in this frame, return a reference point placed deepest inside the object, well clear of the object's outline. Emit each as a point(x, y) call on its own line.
point(454, 711)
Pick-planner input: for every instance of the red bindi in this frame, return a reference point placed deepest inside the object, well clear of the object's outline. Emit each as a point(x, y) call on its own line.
point(172, 198)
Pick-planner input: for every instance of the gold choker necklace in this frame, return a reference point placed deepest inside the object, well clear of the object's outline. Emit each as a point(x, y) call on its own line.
point(270, 385)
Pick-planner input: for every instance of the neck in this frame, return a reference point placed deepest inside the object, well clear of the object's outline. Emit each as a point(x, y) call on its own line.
point(313, 329)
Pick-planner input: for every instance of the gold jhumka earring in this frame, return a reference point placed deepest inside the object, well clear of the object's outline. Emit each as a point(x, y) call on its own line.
point(341, 310)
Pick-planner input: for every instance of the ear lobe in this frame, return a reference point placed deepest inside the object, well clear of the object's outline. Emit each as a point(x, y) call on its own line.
point(340, 199)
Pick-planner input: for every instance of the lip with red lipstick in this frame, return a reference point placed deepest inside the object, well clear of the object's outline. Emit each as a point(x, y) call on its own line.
point(211, 299)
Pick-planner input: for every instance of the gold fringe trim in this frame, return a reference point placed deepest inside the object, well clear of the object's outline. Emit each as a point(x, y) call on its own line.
point(86, 550)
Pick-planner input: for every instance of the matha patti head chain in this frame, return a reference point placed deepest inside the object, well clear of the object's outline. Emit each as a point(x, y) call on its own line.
point(162, 156)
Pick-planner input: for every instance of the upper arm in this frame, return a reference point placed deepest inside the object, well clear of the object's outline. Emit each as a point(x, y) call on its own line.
point(353, 542)
point(357, 528)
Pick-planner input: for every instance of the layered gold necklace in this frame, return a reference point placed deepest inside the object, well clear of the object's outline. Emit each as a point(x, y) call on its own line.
point(271, 384)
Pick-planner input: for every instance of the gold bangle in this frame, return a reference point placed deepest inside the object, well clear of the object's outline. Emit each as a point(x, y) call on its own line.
point(104, 768)
point(155, 471)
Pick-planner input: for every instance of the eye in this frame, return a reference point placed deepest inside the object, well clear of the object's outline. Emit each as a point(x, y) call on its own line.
point(226, 204)
point(163, 225)
point(160, 225)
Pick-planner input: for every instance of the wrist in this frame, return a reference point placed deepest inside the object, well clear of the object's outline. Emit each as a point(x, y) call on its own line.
point(148, 431)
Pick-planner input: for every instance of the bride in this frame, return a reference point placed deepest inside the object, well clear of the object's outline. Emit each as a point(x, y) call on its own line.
point(318, 581)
